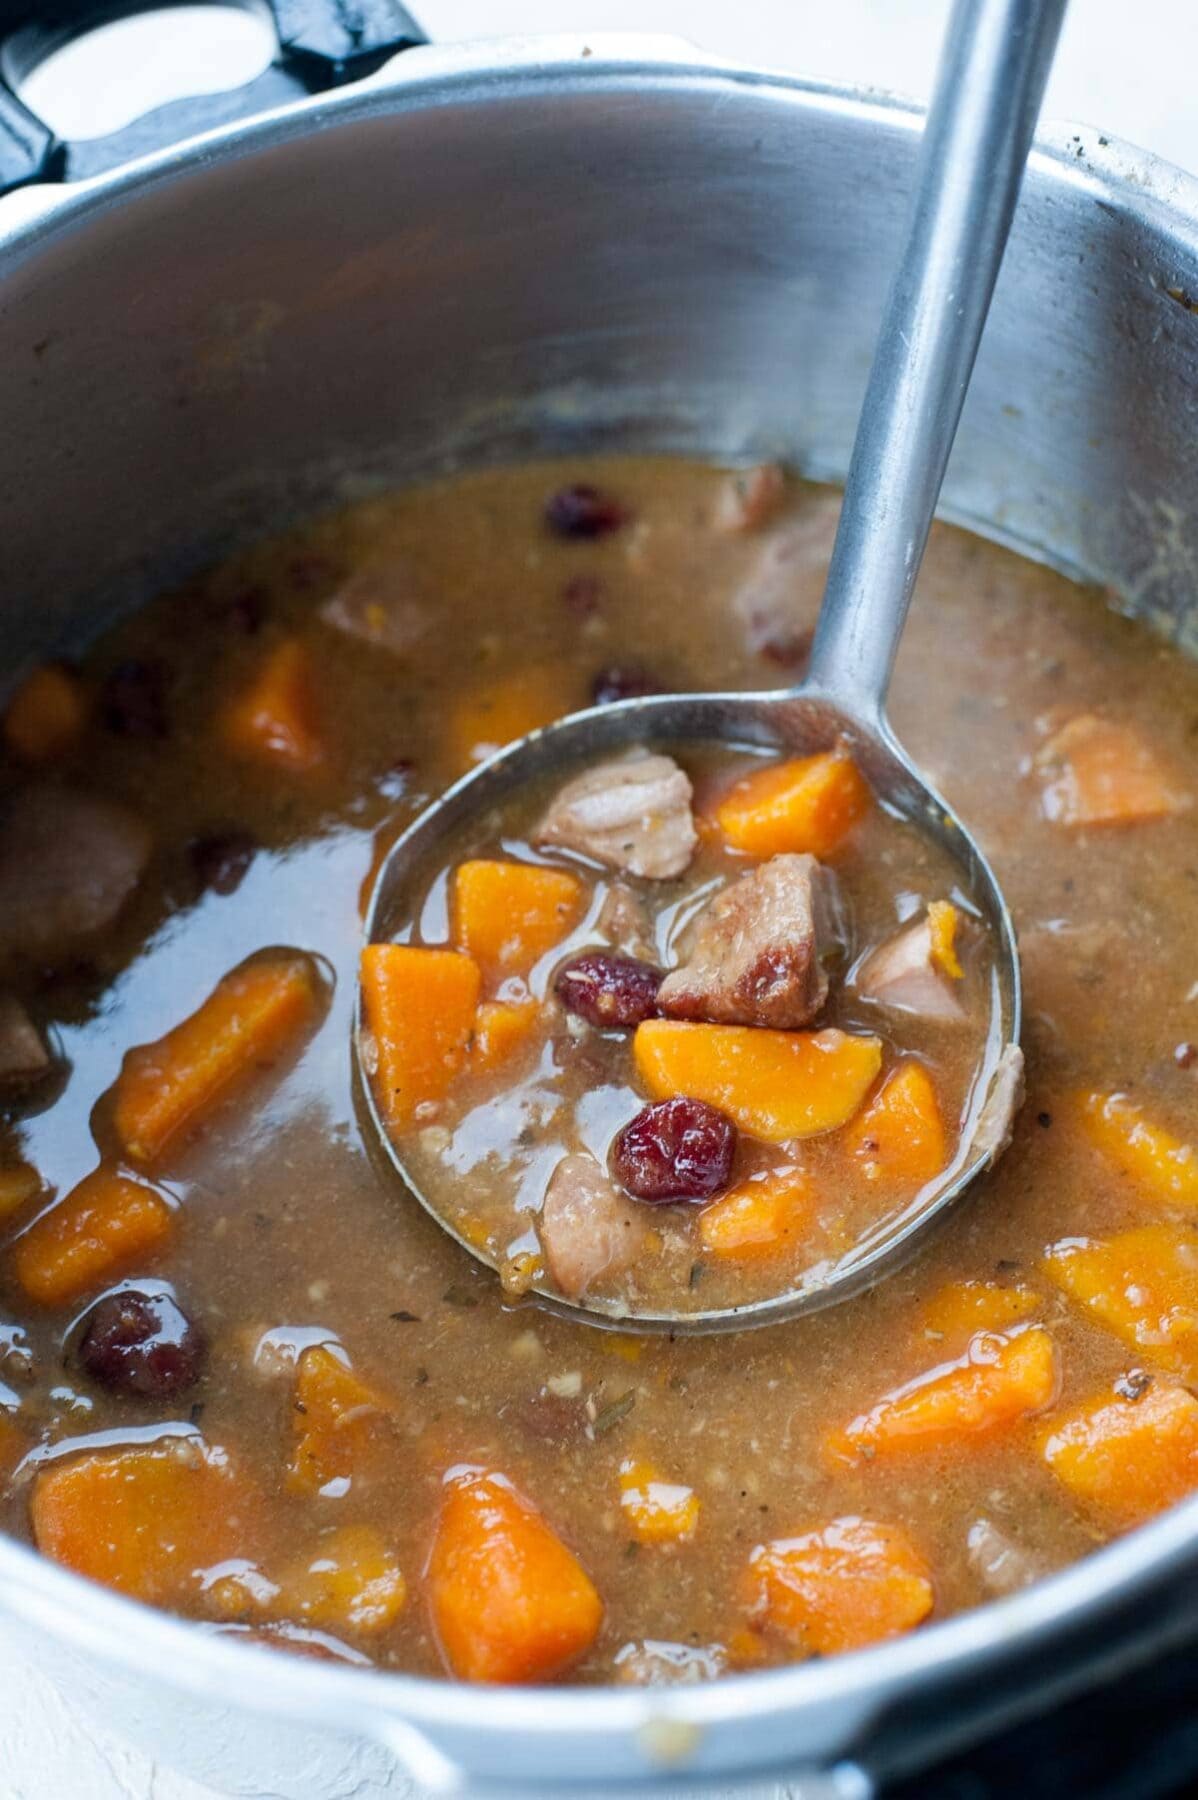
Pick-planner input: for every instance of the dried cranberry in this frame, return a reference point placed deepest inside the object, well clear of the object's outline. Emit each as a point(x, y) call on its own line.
point(615, 684)
point(582, 512)
point(246, 611)
point(790, 650)
point(141, 1343)
point(133, 699)
point(609, 991)
point(220, 861)
point(1186, 1055)
point(676, 1150)
point(583, 595)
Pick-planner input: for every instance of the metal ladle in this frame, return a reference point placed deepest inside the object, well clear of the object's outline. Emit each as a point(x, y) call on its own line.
point(993, 72)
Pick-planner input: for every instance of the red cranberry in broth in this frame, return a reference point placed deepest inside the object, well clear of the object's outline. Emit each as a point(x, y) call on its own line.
point(675, 1150)
point(612, 992)
point(582, 512)
point(141, 1343)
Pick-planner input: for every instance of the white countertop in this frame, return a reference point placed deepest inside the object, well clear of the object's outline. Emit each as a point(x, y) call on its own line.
point(1127, 69)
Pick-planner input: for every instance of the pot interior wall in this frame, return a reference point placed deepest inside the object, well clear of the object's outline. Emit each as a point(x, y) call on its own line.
point(692, 264)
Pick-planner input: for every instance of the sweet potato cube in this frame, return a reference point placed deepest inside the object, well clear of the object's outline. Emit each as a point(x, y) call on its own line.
point(97, 1231)
point(1127, 1459)
point(275, 720)
point(808, 804)
point(899, 1139)
point(960, 1308)
point(999, 1379)
point(1142, 1285)
point(777, 1085)
point(852, 1583)
point(502, 1028)
point(1164, 1166)
point(47, 715)
point(419, 1007)
point(943, 919)
point(352, 1583)
point(506, 915)
point(760, 1217)
point(509, 1601)
point(337, 1420)
point(149, 1520)
point(1095, 771)
point(656, 1511)
point(252, 1017)
point(489, 716)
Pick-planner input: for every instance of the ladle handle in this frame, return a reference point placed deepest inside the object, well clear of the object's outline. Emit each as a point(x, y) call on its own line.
point(993, 71)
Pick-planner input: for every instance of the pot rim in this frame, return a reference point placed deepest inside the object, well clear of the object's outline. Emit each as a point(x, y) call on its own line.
point(396, 1708)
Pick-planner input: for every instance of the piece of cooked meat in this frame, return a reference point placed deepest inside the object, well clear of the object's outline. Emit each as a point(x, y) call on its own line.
point(1000, 1564)
point(587, 1228)
point(902, 974)
point(24, 1057)
point(761, 949)
point(749, 498)
point(632, 814)
point(382, 604)
point(68, 863)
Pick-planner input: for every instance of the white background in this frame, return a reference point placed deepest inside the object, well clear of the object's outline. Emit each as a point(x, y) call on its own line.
point(1129, 69)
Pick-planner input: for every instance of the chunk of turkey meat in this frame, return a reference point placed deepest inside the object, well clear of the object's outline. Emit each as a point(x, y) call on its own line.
point(901, 974)
point(761, 949)
point(632, 814)
point(587, 1228)
point(382, 604)
point(68, 863)
point(1001, 1564)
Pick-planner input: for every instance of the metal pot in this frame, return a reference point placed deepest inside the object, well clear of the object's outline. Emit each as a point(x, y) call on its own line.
point(473, 254)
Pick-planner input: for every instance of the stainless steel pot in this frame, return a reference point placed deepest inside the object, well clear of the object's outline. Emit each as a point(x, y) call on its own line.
point(474, 254)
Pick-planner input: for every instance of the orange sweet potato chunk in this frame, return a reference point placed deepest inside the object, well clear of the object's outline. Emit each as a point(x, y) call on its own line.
point(506, 915)
point(960, 1308)
point(351, 1584)
point(760, 1217)
point(149, 1519)
point(1142, 1285)
point(275, 720)
point(97, 1231)
point(47, 714)
point(999, 1379)
point(943, 919)
point(489, 716)
point(655, 1510)
point(852, 1583)
point(419, 1008)
point(899, 1138)
point(1127, 1459)
point(808, 804)
point(502, 1028)
point(1095, 771)
point(509, 1601)
point(251, 1018)
point(1164, 1166)
point(337, 1419)
point(777, 1085)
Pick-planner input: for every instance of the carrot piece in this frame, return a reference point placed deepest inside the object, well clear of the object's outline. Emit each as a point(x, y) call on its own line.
point(275, 721)
point(506, 915)
point(1142, 1285)
point(746, 1649)
point(502, 1028)
point(47, 714)
point(488, 717)
point(149, 1520)
point(337, 1419)
point(18, 1185)
point(1098, 772)
point(960, 1308)
point(1127, 1459)
point(509, 1601)
point(853, 1582)
point(353, 1583)
point(808, 804)
point(1164, 1166)
point(899, 1138)
point(252, 1016)
point(656, 1511)
point(420, 1008)
point(999, 1379)
point(775, 1084)
point(943, 919)
point(760, 1217)
point(99, 1229)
